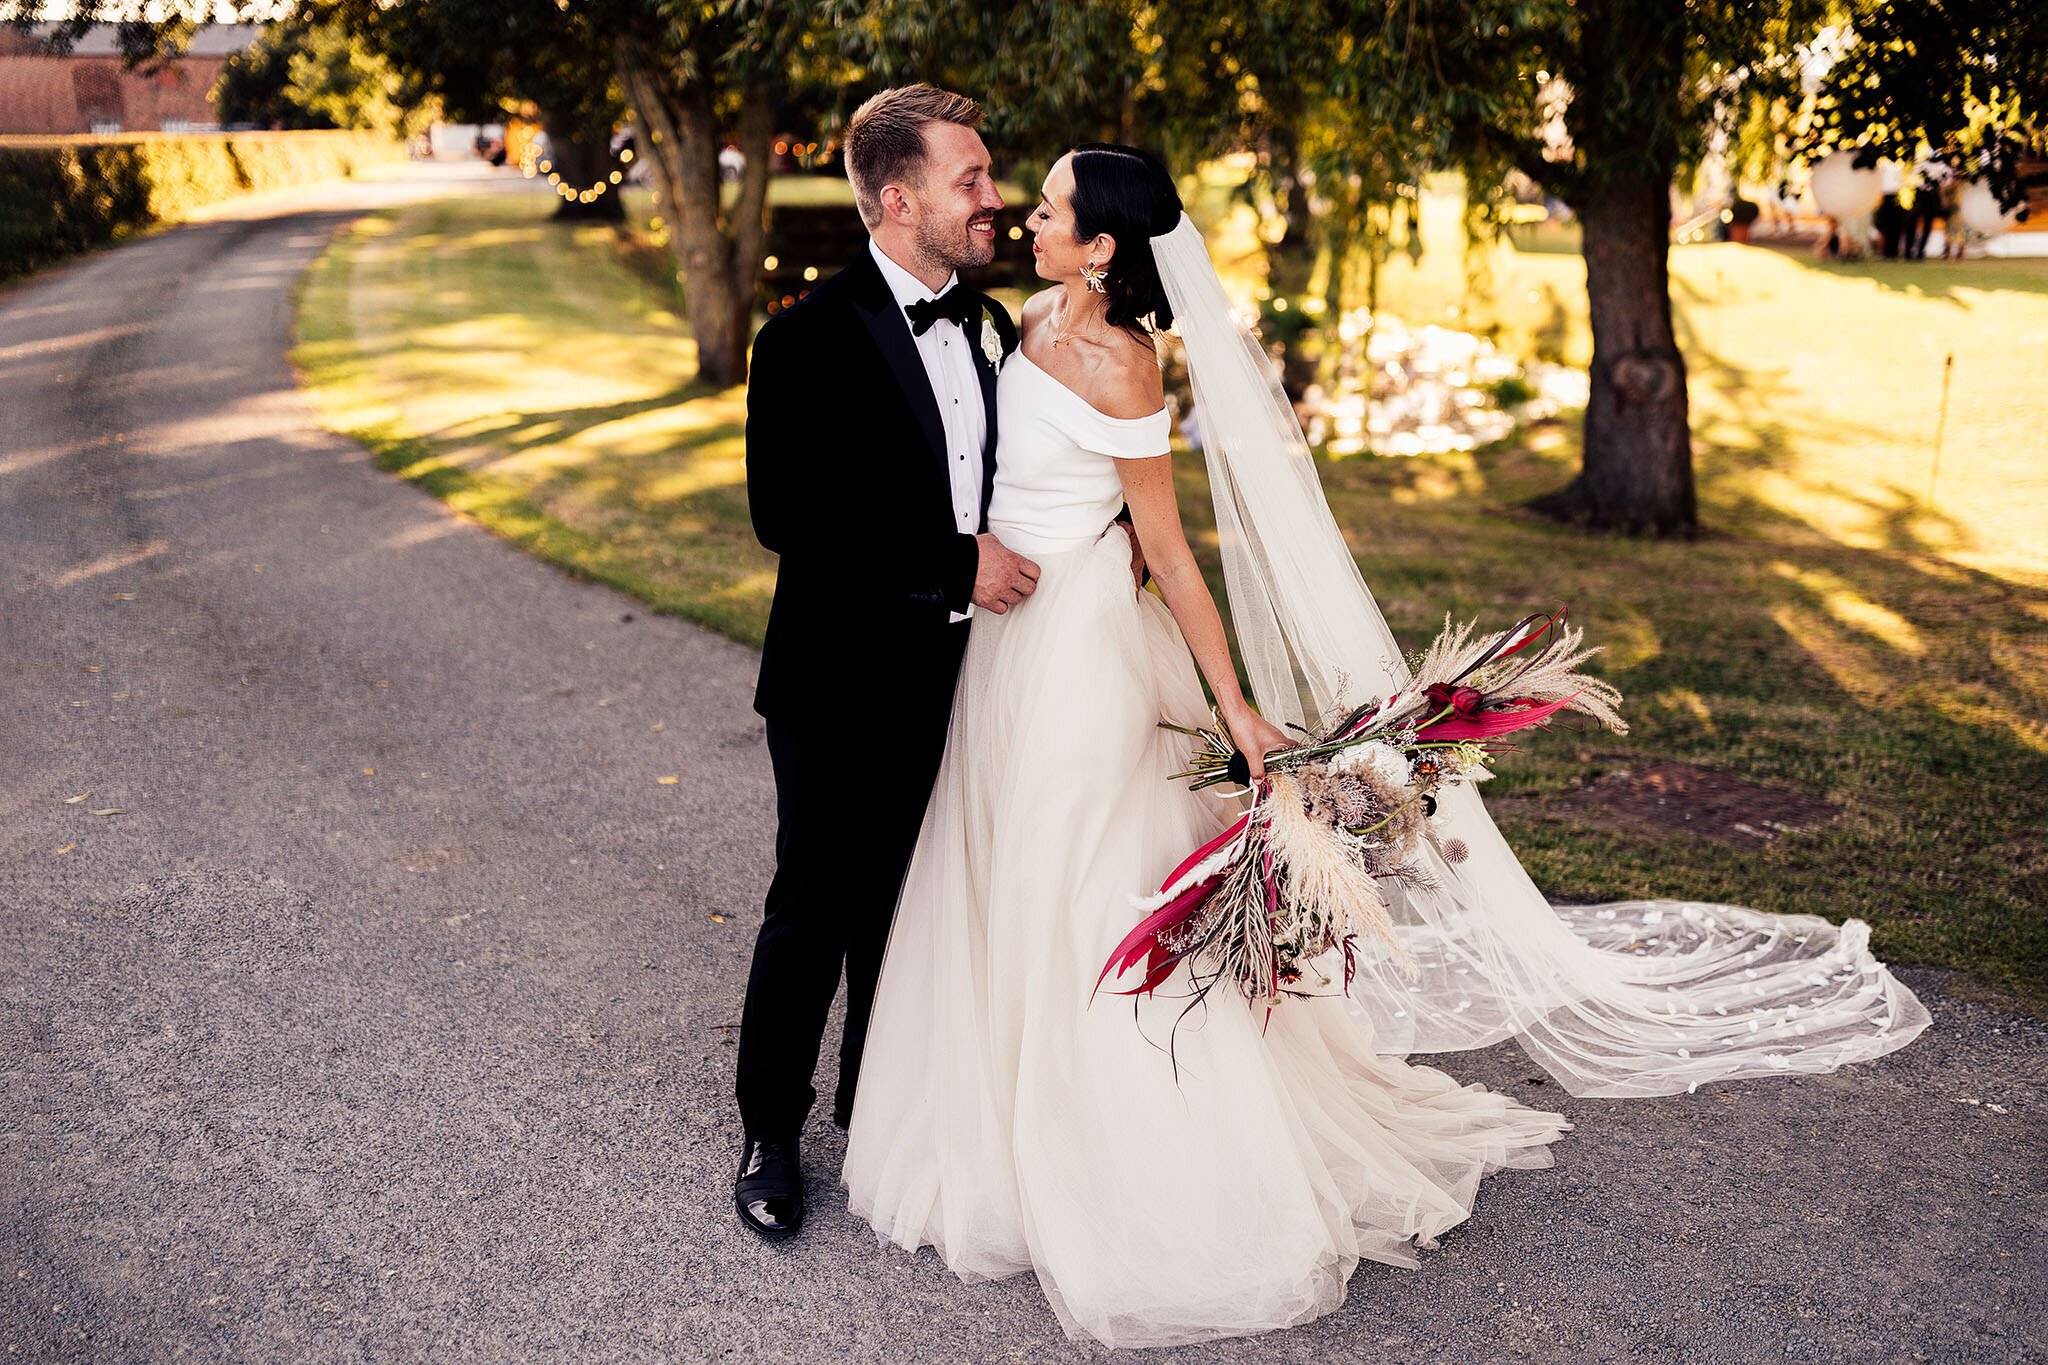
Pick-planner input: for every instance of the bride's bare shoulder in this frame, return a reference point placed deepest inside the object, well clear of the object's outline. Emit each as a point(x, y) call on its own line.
point(1035, 308)
point(1128, 384)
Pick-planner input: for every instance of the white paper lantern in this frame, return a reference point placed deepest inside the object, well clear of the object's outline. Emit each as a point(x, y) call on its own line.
point(1980, 213)
point(1841, 191)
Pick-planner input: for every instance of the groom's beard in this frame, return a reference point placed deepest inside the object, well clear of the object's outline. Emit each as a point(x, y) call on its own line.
point(957, 247)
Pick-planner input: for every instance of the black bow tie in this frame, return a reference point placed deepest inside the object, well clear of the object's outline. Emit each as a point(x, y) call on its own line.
point(957, 304)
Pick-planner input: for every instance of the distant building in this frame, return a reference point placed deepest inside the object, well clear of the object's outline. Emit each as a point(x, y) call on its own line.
point(90, 91)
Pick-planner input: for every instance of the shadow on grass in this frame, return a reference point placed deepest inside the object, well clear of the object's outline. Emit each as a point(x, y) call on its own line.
point(1726, 471)
point(526, 430)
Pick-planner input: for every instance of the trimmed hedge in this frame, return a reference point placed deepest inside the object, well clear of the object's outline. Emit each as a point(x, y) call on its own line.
point(60, 196)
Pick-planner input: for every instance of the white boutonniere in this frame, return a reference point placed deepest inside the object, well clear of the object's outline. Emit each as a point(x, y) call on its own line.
point(992, 344)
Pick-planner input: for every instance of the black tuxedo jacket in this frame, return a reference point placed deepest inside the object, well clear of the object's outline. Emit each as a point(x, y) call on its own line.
point(847, 483)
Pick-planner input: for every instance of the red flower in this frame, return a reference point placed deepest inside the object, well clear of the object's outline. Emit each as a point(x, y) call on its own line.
point(1463, 701)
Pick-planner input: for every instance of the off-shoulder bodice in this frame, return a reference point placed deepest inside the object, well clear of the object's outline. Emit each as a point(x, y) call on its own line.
point(1056, 485)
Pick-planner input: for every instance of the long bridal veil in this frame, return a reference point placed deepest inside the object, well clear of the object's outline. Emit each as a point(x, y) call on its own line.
point(1635, 998)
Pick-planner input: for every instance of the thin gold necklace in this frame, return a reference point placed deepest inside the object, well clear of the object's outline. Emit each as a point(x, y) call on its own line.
point(1059, 334)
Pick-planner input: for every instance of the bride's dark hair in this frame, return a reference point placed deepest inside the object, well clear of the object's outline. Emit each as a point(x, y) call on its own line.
point(1127, 193)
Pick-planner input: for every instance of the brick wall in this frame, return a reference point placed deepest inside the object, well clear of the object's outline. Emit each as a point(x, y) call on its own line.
point(71, 94)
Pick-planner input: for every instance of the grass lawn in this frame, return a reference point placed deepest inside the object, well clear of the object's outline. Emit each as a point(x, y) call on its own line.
point(1816, 388)
point(1834, 633)
point(516, 369)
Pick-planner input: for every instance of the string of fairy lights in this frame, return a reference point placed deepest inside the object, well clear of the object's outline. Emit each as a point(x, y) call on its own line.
point(772, 263)
point(533, 164)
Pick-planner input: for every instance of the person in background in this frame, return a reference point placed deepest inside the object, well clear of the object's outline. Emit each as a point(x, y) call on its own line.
point(1933, 176)
point(1890, 218)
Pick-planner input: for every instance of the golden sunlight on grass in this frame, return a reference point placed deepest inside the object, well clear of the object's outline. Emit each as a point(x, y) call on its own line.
point(1854, 610)
point(1847, 657)
point(1630, 639)
point(1689, 703)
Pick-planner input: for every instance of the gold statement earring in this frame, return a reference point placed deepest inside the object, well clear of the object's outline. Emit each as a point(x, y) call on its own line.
point(1097, 279)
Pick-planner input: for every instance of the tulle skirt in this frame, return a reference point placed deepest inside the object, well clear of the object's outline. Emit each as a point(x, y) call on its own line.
point(1170, 1175)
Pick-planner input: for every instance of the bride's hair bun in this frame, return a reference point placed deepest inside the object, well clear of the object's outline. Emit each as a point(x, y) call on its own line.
point(1127, 193)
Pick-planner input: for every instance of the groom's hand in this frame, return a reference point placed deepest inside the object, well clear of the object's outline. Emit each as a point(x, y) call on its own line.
point(1140, 574)
point(1002, 578)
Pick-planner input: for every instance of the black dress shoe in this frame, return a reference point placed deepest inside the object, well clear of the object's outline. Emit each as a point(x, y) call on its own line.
point(770, 1190)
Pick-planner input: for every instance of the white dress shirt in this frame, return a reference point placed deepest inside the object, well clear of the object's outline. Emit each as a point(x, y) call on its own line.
point(949, 364)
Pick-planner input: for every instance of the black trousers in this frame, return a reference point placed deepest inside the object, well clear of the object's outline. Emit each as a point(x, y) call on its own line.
point(1922, 228)
point(847, 818)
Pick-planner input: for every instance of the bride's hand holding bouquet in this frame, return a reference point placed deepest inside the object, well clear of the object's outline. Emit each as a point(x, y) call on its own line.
point(1255, 736)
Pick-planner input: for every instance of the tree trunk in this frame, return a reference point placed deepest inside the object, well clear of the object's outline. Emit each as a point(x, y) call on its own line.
point(1637, 472)
point(718, 311)
point(718, 252)
point(585, 163)
point(1292, 260)
point(748, 220)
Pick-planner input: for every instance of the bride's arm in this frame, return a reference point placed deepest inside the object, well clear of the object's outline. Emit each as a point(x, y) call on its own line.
point(1148, 488)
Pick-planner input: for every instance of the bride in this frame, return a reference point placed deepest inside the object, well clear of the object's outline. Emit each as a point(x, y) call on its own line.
point(1174, 1175)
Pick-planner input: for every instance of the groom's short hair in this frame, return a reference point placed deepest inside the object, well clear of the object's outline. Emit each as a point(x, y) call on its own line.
point(885, 139)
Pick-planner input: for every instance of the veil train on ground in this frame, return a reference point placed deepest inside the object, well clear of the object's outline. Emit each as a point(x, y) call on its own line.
point(1631, 998)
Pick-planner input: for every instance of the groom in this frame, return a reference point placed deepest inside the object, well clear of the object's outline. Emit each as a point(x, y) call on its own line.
point(871, 436)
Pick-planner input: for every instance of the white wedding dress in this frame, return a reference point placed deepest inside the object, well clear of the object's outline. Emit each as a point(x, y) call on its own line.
point(1168, 1179)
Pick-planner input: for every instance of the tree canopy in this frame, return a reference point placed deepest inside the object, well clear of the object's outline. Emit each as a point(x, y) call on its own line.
point(303, 73)
point(1966, 82)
